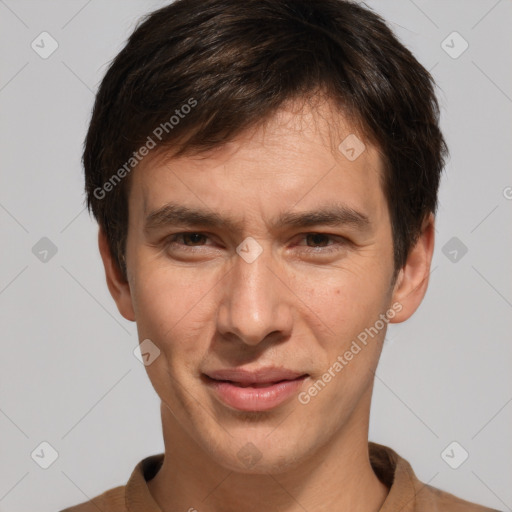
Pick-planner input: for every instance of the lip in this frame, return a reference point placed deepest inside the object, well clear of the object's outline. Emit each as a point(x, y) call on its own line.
point(258, 390)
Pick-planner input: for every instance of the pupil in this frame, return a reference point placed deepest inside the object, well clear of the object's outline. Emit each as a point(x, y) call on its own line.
point(193, 237)
point(316, 238)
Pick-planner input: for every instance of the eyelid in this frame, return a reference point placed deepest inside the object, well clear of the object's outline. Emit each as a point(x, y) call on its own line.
point(328, 235)
point(171, 239)
point(339, 242)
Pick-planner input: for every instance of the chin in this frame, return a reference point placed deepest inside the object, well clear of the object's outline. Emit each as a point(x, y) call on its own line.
point(268, 463)
point(260, 455)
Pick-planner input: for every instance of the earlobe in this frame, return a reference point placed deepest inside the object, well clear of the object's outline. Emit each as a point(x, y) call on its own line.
point(412, 281)
point(119, 288)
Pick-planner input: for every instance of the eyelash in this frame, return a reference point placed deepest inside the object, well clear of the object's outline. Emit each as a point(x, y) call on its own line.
point(171, 240)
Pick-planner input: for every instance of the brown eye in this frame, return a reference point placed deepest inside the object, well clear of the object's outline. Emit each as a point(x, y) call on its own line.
point(194, 238)
point(188, 240)
point(322, 243)
point(318, 238)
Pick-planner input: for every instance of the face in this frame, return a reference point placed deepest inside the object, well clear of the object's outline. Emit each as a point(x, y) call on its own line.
point(269, 305)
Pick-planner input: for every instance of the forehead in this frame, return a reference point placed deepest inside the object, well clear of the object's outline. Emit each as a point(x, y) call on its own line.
point(295, 159)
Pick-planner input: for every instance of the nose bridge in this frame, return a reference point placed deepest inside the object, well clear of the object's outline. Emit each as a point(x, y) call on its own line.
point(253, 304)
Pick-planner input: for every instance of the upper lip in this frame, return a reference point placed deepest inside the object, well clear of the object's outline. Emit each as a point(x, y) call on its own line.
point(256, 376)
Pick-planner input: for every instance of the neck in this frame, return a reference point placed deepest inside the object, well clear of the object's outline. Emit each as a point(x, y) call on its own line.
point(338, 477)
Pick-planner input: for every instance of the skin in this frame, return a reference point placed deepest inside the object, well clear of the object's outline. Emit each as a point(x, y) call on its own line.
point(209, 309)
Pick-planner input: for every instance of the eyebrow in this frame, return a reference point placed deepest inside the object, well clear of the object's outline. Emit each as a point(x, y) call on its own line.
point(173, 214)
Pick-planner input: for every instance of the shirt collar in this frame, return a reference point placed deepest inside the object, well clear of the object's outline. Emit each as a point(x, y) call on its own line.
point(394, 471)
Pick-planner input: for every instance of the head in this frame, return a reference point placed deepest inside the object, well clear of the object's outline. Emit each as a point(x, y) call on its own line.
point(303, 135)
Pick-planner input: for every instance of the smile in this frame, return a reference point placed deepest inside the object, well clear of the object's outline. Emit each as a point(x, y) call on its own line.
point(254, 391)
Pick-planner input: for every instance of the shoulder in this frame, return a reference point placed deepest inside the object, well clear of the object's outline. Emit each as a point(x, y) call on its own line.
point(407, 493)
point(135, 492)
point(434, 499)
point(112, 500)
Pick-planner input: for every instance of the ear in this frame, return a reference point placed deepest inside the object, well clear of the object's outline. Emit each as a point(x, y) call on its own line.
point(412, 280)
point(119, 288)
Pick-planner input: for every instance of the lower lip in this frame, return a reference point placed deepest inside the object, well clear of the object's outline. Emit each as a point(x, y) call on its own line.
point(255, 399)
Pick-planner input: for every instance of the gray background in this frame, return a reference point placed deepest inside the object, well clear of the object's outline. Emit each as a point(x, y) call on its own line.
point(67, 372)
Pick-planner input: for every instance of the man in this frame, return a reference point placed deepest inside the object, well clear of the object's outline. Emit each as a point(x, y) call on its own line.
point(265, 174)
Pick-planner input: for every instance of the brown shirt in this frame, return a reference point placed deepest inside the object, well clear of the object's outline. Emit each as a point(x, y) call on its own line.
point(406, 494)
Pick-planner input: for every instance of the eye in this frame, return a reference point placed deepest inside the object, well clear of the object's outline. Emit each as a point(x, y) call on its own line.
point(316, 243)
point(320, 240)
point(191, 237)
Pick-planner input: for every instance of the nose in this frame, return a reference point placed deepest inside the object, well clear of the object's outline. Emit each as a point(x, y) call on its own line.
point(255, 303)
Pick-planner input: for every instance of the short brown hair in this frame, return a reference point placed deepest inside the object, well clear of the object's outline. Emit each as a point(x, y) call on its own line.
point(233, 63)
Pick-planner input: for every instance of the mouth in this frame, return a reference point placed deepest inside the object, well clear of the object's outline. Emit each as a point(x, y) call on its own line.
point(258, 390)
point(254, 384)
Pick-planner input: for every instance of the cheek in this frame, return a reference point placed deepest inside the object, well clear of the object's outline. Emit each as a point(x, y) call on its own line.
point(347, 300)
point(172, 308)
